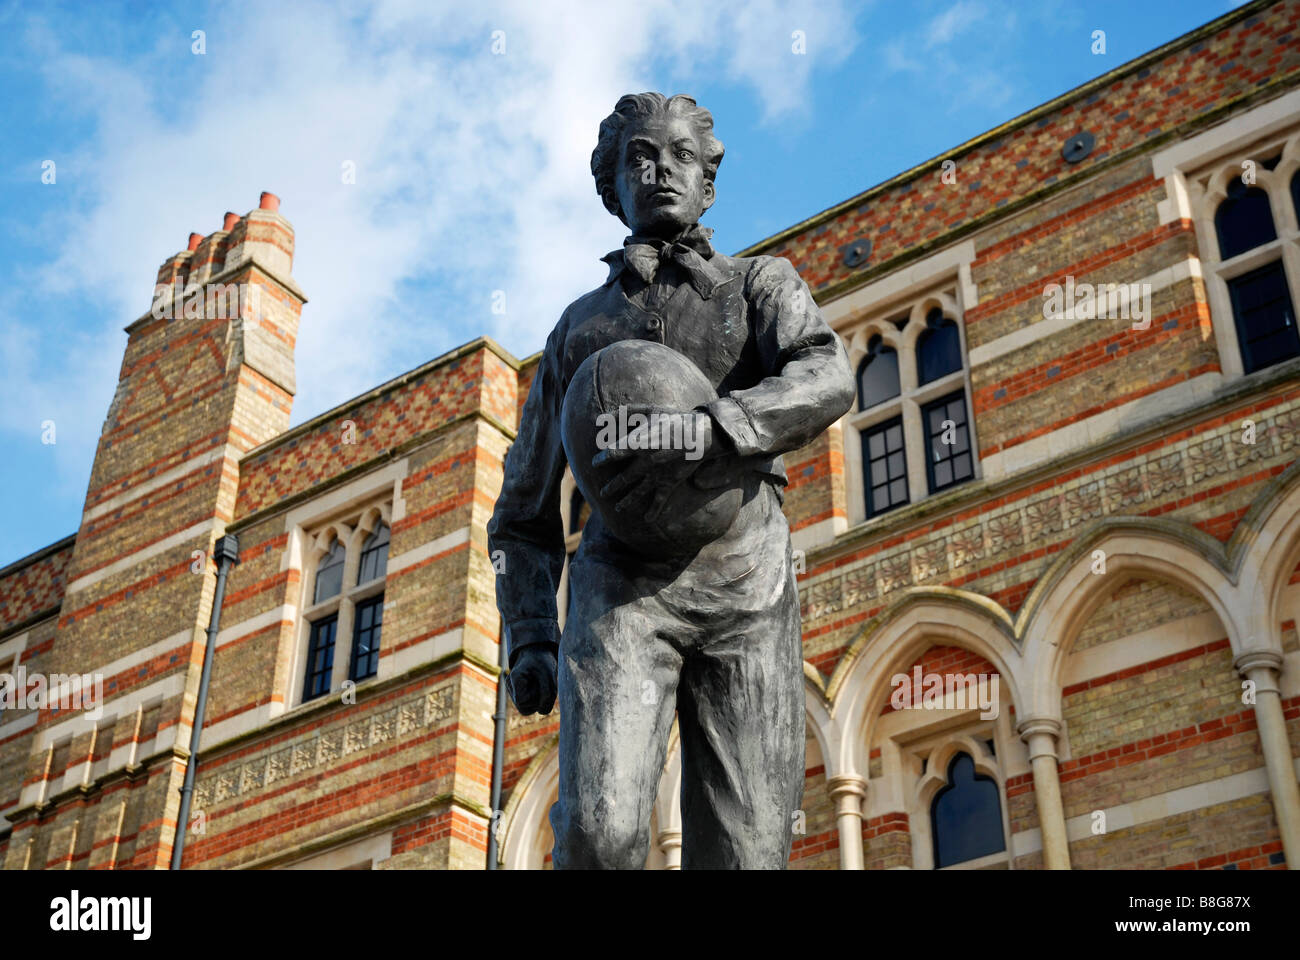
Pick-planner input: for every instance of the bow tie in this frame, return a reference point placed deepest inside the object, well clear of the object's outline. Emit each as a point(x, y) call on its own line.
point(691, 251)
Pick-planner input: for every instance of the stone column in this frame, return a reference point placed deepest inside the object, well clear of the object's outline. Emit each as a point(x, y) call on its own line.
point(1040, 734)
point(1262, 667)
point(849, 791)
point(670, 842)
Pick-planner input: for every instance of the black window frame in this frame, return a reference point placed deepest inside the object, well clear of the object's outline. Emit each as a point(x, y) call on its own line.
point(1249, 362)
point(876, 349)
point(977, 778)
point(368, 551)
point(324, 566)
point(1241, 196)
point(868, 487)
point(929, 439)
point(374, 633)
point(316, 671)
point(939, 328)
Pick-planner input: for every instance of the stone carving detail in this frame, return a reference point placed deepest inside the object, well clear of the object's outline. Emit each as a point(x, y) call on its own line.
point(1083, 503)
point(1006, 532)
point(968, 545)
point(1244, 453)
point(1044, 517)
point(325, 746)
point(1165, 475)
point(930, 560)
point(825, 598)
point(253, 775)
point(1125, 489)
point(859, 585)
point(1285, 429)
point(1208, 459)
point(278, 766)
point(895, 572)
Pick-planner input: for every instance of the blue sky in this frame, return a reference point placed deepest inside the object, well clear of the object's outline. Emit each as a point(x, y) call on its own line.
point(471, 166)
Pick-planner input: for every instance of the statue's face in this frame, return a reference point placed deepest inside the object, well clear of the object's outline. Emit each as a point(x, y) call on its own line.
point(661, 184)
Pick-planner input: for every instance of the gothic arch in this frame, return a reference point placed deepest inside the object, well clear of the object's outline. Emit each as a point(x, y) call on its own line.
point(1068, 592)
point(892, 641)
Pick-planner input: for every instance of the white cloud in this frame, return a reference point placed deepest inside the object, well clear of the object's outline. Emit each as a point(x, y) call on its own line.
point(472, 169)
point(957, 19)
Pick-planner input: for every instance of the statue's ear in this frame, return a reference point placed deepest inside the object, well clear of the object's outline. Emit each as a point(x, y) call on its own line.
point(710, 194)
point(610, 199)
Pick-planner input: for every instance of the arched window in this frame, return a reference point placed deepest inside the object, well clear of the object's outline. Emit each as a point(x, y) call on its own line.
point(878, 375)
point(938, 349)
point(1243, 220)
point(966, 816)
point(329, 573)
point(374, 555)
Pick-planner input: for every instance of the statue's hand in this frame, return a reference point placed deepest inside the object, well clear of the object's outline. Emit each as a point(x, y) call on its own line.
point(532, 680)
point(684, 440)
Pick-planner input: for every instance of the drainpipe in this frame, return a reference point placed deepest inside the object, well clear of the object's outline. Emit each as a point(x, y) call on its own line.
point(498, 746)
point(226, 553)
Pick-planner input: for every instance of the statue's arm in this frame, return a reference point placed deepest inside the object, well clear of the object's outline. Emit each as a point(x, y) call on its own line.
point(526, 527)
point(809, 383)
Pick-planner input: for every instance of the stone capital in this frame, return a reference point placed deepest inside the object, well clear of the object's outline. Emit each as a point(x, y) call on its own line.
point(1041, 734)
point(846, 785)
point(1261, 667)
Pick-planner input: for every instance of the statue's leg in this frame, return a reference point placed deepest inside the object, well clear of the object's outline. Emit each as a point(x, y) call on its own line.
point(741, 722)
point(617, 694)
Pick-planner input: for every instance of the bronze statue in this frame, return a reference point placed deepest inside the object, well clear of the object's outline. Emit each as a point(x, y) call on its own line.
point(683, 589)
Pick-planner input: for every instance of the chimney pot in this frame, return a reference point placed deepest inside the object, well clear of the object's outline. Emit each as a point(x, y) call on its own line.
point(231, 220)
point(269, 202)
point(195, 240)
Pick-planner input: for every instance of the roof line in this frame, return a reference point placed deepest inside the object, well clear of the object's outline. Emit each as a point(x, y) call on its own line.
point(1132, 66)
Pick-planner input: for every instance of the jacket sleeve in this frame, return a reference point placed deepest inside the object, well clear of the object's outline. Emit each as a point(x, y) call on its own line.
point(525, 534)
point(808, 385)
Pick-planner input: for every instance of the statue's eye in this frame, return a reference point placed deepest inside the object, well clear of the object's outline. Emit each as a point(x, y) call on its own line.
point(639, 157)
point(685, 155)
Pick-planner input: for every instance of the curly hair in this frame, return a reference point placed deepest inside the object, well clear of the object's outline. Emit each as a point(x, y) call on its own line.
point(638, 106)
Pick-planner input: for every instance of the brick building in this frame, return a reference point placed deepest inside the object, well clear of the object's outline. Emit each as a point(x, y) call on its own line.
point(1071, 473)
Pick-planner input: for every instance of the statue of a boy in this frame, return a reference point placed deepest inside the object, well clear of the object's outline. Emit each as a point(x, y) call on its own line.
point(713, 636)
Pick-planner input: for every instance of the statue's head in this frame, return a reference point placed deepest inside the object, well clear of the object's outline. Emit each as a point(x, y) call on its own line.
point(655, 162)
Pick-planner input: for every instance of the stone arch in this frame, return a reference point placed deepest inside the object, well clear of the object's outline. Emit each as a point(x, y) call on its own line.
point(1068, 592)
point(1265, 548)
point(893, 640)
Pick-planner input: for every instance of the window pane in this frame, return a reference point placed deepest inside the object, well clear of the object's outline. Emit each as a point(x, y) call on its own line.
point(320, 658)
point(365, 638)
point(938, 349)
point(878, 375)
point(329, 574)
point(374, 555)
point(1295, 193)
point(1261, 306)
point(950, 463)
point(885, 466)
point(1243, 220)
point(966, 816)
